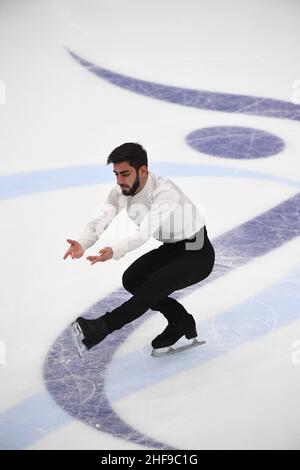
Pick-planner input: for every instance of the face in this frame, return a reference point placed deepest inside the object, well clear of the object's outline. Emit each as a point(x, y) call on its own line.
point(129, 180)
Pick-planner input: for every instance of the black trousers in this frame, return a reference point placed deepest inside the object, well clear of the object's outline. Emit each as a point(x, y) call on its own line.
point(158, 273)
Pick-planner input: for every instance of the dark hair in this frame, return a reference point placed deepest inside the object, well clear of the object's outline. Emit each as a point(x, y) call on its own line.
point(134, 153)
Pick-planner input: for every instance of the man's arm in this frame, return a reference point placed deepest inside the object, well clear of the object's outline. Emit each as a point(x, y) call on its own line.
point(104, 217)
point(162, 207)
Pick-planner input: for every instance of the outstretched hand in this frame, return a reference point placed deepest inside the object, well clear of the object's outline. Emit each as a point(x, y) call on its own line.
point(105, 254)
point(75, 250)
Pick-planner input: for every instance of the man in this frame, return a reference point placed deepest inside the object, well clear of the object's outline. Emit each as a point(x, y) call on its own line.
point(185, 257)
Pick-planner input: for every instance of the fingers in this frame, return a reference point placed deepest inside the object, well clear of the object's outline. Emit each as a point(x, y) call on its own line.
point(67, 253)
point(94, 259)
point(71, 252)
point(105, 254)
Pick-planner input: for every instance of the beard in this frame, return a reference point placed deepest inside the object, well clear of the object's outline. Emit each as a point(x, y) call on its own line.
point(131, 190)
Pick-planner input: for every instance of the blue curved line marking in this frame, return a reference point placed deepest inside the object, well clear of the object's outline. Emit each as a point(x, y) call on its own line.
point(34, 418)
point(41, 181)
point(108, 420)
point(210, 101)
point(237, 247)
point(92, 175)
point(254, 241)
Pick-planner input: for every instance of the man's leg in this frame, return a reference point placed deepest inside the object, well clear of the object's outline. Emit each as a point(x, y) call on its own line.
point(133, 278)
point(185, 270)
point(137, 273)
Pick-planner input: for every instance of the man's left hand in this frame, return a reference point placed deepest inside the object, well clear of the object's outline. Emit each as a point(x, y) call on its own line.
point(105, 254)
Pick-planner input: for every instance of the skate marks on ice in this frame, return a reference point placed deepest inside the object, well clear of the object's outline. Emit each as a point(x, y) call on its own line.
point(78, 385)
point(207, 100)
point(273, 308)
point(69, 386)
point(222, 141)
point(284, 212)
point(237, 247)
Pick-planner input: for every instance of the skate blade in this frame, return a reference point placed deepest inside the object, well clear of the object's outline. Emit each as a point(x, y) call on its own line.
point(173, 349)
point(77, 336)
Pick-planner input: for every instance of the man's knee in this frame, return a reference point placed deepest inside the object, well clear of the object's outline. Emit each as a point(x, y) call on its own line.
point(129, 282)
point(154, 286)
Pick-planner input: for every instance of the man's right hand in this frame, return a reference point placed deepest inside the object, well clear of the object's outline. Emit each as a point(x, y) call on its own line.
point(75, 250)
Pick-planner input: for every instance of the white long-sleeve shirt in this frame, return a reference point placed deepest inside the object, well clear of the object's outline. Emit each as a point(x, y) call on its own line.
point(160, 210)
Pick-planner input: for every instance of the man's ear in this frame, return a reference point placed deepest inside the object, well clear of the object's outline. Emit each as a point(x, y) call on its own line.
point(144, 170)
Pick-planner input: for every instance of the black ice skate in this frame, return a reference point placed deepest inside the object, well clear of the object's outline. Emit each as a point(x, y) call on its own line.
point(87, 333)
point(165, 343)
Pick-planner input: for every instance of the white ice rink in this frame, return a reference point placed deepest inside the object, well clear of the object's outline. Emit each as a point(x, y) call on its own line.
point(77, 79)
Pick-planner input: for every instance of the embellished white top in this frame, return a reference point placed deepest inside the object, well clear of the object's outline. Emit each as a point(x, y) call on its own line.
point(160, 210)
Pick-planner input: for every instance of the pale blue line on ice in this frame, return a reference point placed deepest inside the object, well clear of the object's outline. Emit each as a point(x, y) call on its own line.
point(32, 182)
point(241, 324)
point(30, 420)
